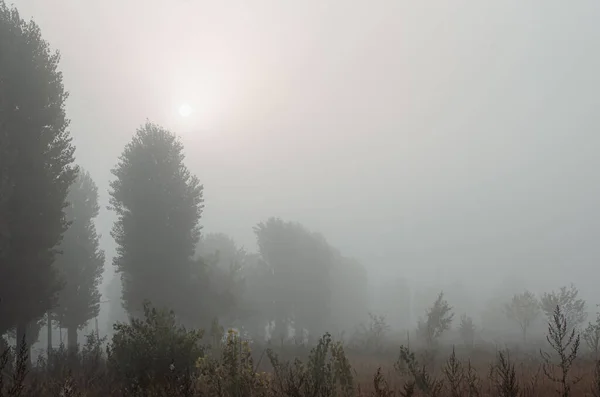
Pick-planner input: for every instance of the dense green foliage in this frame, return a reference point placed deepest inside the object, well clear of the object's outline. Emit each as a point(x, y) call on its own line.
point(152, 349)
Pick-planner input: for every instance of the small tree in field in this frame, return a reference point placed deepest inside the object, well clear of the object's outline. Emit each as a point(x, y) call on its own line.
point(571, 307)
point(372, 334)
point(523, 309)
point(438, 319)
point(565, 344)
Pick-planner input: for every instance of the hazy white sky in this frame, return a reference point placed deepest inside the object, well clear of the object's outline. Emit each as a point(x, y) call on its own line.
point(413, 134)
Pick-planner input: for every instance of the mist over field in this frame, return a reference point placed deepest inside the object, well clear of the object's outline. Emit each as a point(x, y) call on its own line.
point(294, 168)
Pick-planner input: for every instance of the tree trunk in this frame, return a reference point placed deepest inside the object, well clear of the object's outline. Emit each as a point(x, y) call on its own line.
point(22, 339)
point(72, 339)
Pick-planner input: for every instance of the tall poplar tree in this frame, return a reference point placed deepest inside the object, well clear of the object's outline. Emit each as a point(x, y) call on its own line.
point(301, 264)
point(158, 204)
point(81, 261)
point(36, 170)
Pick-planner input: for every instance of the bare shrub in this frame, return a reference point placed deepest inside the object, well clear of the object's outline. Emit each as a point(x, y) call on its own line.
point(504, 376)
point(566, 345)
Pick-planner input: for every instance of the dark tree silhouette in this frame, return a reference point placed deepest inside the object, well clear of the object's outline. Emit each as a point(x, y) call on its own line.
point(81, 260)
point(222, 248)
point(36, 166)
point(219, 271)
point(301, 262)
point(158, 204)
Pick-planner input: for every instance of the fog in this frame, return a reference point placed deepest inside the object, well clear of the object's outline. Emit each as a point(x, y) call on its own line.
point(441, 142)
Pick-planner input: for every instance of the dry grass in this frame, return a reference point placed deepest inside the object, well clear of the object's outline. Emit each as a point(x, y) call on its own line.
point(528, 372)
point(155, 357)
point(473, 372)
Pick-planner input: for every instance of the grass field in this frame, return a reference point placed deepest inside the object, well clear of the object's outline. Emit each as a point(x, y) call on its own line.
point(156, 357)
point(232, 369)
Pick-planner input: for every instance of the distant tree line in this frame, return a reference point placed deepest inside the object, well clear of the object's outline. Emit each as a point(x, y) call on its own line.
point(50, 260)
point(163, 257)
point(51, 263)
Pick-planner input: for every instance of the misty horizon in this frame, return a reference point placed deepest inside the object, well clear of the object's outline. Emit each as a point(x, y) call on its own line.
point(432, 141)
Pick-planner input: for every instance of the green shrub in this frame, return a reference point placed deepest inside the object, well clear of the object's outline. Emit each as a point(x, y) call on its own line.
point(233, 372)
point(153, 351)
point(327, 373)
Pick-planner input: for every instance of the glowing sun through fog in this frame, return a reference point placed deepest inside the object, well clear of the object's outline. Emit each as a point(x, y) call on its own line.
point(185, 110)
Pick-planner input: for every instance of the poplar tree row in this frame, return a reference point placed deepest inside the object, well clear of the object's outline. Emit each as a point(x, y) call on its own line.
point(50, 260)
point(51, 263)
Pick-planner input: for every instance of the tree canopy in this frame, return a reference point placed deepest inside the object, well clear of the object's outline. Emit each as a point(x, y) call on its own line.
point(572, 307)
point(301, 262)
point(158, 204)
point(36, 170)
point(81, 261)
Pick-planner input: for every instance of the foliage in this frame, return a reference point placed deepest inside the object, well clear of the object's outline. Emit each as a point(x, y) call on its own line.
point(14, 366)
point(298, 278)
point(591, 336)
point(231, 368)
point(438, 320)
point(88, 363)
point(300, 282)
point(219, 271)
point(524, 308)
point(36, 170)
point(572, 307)
point(158, 204)
point(326, 373)
point(421, 376)
point(223, 248)
point(233, 373)
point(153, 348)
point(257, 307)
point(81, 261)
